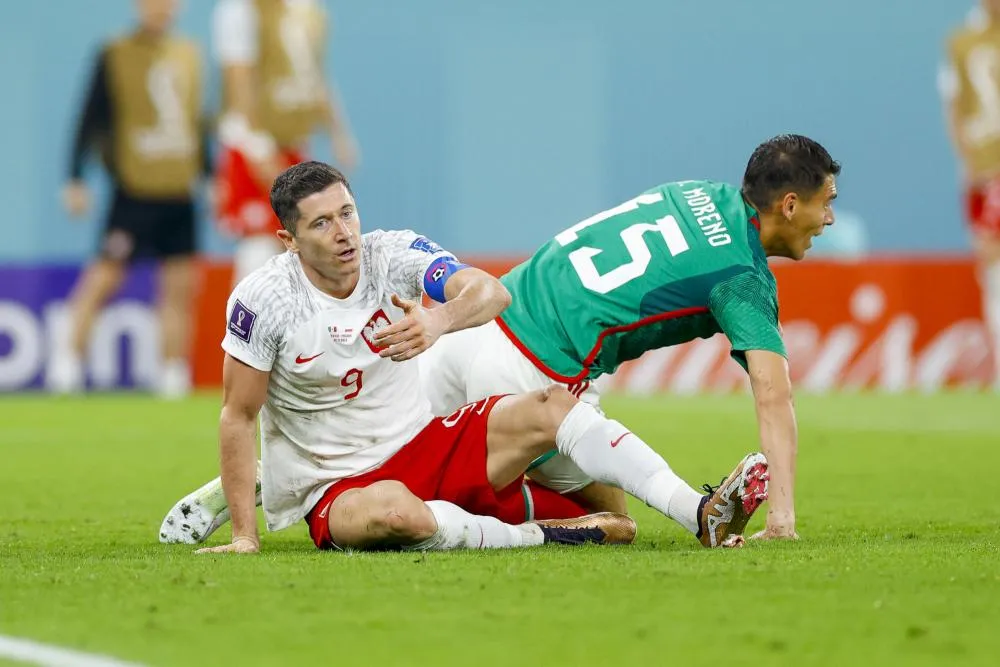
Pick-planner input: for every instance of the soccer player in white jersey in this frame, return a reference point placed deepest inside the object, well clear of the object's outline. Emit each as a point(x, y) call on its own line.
point(322, 339)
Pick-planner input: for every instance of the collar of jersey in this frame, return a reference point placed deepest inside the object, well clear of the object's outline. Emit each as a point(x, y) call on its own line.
point(354, 297)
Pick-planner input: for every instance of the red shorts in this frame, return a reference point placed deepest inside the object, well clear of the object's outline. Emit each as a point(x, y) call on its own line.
point(243, 204)
point(447, 461)
point(982, 207)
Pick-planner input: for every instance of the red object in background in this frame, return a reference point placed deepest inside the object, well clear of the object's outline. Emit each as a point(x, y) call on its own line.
point(883, 323)
point(887, 323)
point(982, 207)
point(243, 206)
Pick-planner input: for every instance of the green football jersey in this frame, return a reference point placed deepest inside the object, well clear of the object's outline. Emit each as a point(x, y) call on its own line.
point(679, 262)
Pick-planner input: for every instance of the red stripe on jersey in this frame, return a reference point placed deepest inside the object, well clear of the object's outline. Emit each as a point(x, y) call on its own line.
point(755, 221)
point(540, 365)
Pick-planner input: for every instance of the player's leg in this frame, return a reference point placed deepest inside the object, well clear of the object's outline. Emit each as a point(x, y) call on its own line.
point(494, 365)
point(522, 427)
point(982, 209)
point(98, 283)
point(178, 276)
point(986, 246)
point(100, 280)
point(439, 492)
point(387, 515)
point(557, 471)
point(175, 248)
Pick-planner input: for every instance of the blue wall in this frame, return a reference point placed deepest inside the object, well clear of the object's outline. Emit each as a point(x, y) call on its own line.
point(491, 125)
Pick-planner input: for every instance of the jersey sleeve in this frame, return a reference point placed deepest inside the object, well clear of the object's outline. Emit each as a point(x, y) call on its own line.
point(95, 119)
point(746, 309)
point(418, 265)
point(254, 323)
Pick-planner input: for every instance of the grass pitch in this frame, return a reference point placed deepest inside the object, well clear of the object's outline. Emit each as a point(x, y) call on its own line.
point(898, 563)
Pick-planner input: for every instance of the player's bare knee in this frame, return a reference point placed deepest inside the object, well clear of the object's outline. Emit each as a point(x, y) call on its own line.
point(553, 393)
point(558, 404)
point(408, 524)
point(399, 515)
point(548, 409)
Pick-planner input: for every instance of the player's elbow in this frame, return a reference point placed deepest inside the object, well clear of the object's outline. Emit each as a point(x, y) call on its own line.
point(503, 297)
point(238, 415)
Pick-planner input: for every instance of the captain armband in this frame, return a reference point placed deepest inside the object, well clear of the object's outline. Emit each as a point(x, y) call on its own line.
point(437, 275)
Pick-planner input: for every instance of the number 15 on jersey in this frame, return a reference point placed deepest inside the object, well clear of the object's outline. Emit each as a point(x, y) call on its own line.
point(634, 238)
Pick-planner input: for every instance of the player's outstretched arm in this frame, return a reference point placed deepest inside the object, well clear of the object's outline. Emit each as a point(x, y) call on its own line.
point(772, 391)
point(471, 297)
point(244, 390)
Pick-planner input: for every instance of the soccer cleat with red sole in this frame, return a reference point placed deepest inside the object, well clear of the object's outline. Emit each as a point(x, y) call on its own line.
point(723, 513)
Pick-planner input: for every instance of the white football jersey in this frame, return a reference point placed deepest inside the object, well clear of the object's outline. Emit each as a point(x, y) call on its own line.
point(334, 407)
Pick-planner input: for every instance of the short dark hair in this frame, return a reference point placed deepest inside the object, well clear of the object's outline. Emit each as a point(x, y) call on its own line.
point(786, 163)
point(298, 182)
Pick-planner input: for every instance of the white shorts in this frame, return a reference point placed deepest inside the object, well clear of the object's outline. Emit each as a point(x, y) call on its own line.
point(471, 364)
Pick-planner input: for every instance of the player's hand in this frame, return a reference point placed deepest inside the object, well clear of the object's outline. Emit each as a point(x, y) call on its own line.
point(417, 331)
point(345, 149)
point(239, 545)
point(76, 198)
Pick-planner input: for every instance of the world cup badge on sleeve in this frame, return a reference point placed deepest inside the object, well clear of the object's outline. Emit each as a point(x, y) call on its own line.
point(241, 321)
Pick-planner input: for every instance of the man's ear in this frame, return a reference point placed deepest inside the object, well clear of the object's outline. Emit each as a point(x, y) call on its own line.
point(789, 204)
point(289, 240)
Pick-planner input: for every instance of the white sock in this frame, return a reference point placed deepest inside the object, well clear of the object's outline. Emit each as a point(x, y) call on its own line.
point(65, 374)
point(457, 529)
point(610, 453)
point(991, 313)
point(175, 379)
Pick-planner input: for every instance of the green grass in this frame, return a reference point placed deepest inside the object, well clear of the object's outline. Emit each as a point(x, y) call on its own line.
point(898, 561)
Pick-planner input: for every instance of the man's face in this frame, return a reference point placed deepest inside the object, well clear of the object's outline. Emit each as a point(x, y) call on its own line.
point(156, 15)
point(807, 218)
point(328, 234)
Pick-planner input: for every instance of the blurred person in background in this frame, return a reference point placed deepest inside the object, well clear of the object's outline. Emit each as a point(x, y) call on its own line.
point(143, 114)
point(275, 96)
point(970, 85)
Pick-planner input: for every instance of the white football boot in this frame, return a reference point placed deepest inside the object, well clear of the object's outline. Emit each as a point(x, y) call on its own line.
point(199, 514)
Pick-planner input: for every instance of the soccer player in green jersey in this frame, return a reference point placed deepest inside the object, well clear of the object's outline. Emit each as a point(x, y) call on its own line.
point(681, 261)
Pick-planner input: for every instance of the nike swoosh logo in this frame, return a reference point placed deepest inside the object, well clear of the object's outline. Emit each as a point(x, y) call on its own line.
point(614, 443)
point(304, 360)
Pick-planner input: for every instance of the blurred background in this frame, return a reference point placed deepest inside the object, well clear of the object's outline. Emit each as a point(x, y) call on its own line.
point(489, 127)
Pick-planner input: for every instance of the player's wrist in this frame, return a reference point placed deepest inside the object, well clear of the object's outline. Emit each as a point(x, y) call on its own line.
point(442, 318)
